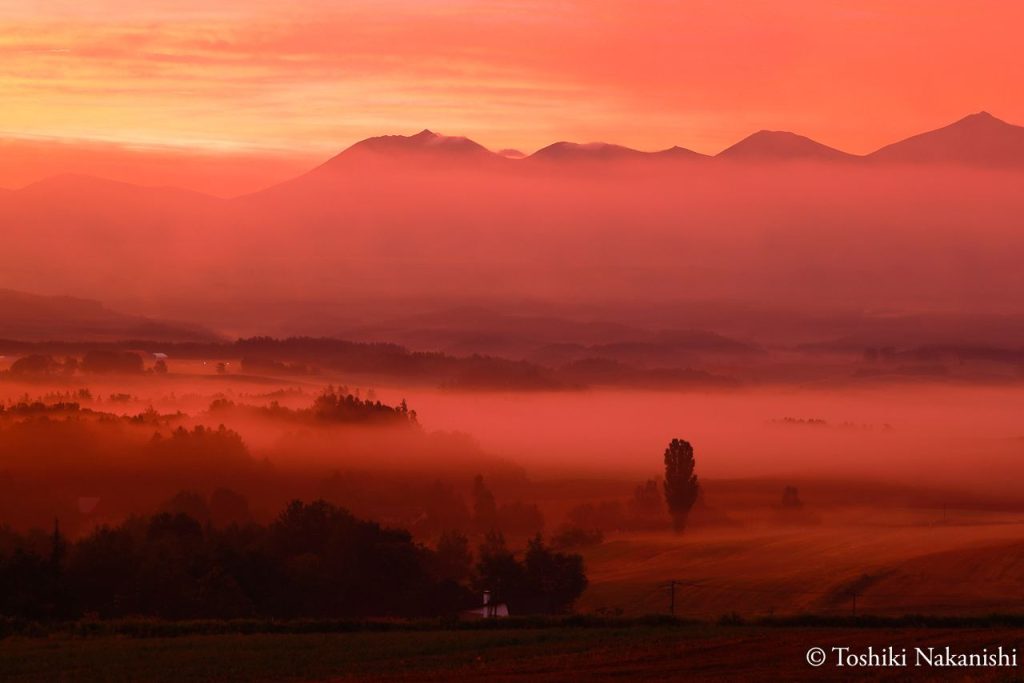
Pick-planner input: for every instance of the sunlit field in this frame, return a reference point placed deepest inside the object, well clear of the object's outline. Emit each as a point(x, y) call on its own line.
point(903, 505)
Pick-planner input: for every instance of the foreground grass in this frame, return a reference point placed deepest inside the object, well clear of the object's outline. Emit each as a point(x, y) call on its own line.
point(325, 656)
point(548, 651)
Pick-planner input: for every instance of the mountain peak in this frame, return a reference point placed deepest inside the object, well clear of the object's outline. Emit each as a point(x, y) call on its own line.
point(982, 119)
point(777, 145)
point(605, 151)
point(978, 139)
point(980, 116)
point(577, 151)
point(677, 152)
point(424, 144)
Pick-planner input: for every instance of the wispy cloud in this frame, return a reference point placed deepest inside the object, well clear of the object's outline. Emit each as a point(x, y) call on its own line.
point(317, 75)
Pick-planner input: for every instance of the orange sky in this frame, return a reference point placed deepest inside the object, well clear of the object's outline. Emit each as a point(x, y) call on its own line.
point(284, 84)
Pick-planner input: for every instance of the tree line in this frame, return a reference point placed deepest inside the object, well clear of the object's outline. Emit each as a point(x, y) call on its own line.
point(314, 560)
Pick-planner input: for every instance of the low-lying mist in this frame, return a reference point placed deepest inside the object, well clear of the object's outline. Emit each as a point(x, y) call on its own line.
point(927, 435)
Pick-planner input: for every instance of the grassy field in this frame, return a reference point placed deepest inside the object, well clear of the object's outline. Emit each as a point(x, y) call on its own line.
point(636, 652)
point(896, 565)
point(968, 566)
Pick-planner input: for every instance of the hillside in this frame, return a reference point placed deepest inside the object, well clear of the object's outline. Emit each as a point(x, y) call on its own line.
point(397, 225)
point(977, 140)
point(29, 317)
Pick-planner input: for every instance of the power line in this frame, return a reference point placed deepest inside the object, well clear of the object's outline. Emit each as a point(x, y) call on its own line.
point(785, 591)
point(836, 595)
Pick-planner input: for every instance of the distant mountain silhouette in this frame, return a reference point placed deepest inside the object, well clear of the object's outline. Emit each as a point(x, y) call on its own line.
point(399, 217)
point(586, 151)
point(979, 140)
point(30, 317)
point(771, 145)
point(603, 151)
point(677, 152)
point(423, 145)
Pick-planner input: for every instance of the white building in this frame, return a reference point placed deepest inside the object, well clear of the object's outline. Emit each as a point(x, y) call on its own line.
point(489, 610)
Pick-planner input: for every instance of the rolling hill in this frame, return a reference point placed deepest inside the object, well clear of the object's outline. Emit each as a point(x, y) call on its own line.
point(29, 317)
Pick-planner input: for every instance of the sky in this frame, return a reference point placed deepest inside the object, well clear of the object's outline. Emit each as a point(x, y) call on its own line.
point(248, 91)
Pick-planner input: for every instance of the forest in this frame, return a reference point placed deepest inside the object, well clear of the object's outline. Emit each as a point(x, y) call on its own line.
point(314, 560)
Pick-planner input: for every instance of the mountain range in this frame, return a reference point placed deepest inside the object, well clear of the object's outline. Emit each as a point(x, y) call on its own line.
point(978, 140)
point(398, 224)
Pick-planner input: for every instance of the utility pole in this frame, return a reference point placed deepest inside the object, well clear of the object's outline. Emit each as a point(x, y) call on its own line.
point(672, 597)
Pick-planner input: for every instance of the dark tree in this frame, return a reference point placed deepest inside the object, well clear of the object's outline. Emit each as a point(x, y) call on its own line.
point(498, 571)
point(791, 498)
point(315, 560)
point(70, 366)
point(112, 362)
point(647, 502)
point(444, 510)
point(453, 559)
point(556, 579)
point(228, 507)
point(544, 582)
point(102, 571)
point(341, 406)
point(520, 519)
point(485, 511)
point(681, 487)
point(190, 504)
point(34, 364)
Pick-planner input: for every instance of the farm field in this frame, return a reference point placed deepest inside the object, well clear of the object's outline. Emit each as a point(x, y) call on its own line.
point(667, 652)
point(975, 566)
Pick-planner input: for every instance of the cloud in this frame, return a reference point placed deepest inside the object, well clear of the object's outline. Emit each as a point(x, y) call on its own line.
point(317, 75)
